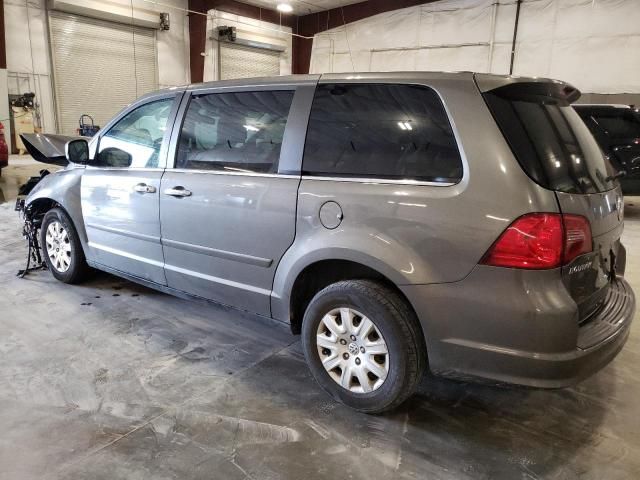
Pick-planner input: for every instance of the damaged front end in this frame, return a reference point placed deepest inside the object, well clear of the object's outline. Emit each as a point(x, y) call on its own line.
point(31, 226)
point(42, 193)
point(49, 149)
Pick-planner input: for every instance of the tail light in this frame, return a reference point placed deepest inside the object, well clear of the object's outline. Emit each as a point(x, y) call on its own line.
point(541, 240)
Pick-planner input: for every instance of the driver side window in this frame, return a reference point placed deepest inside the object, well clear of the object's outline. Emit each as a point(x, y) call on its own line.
point(135, 140)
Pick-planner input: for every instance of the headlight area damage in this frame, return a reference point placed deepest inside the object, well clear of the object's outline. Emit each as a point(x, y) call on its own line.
point(44, 148)
point(32, 223)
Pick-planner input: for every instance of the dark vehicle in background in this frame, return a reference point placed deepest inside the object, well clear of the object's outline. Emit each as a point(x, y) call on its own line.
point(617, 131)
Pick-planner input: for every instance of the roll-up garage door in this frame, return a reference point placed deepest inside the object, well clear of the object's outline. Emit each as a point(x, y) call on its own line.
point(97, 70)
point(241, 61)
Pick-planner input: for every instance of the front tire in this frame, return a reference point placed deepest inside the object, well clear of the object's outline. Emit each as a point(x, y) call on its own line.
point(61, 247)
point(363, 345)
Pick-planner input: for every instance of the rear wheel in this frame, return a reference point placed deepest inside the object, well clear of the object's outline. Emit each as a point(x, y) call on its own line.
point(363, 345)
point(61, 247)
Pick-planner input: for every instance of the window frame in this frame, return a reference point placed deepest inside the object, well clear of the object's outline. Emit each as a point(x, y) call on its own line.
point(382, 180)
point(291, 150)
point(164, 147)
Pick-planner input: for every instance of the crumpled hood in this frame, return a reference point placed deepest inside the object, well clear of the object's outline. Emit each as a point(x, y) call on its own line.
point(47, 147)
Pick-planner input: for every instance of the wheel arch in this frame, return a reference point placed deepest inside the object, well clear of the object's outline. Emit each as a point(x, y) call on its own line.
point(62, 190)
point(38, 207)
point(319, 274)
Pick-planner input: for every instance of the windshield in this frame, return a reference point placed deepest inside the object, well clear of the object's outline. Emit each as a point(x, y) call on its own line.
point(551, 142)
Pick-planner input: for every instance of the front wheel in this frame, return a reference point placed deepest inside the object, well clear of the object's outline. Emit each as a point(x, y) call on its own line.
point(363, 345)
point(61, 247)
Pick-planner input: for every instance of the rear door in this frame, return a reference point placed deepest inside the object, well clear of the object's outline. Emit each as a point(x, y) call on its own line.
point(556, 149)
point(228, 207)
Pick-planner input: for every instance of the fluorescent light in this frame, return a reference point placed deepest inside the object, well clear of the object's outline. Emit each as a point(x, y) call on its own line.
point(408, 125)
point(251, 128)
point(285, 8)
point(405, 125)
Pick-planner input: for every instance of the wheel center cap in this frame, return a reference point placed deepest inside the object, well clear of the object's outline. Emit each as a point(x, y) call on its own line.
point(353, 348)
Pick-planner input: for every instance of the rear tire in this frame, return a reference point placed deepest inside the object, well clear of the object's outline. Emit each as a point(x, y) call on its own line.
point(363, 345)
point(61, 248)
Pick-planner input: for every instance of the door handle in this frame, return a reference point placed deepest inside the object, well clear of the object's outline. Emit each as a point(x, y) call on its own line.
point(144, 188)
point(177, 192)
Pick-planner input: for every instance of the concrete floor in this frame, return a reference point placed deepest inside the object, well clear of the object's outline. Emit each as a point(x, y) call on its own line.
point(110, 380)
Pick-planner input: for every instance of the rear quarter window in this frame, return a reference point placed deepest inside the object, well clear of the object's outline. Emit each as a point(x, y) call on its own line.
point(552, 143)
point(396, 132)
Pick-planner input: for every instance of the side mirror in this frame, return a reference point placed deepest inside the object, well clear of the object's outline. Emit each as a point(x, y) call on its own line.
point(77, 151)
point(114, 157)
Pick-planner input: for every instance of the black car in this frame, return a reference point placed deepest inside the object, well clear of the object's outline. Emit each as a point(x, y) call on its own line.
point(617, 130)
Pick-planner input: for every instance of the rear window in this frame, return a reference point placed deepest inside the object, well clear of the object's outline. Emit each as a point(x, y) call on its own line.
point(398, 132)
point(551, 142)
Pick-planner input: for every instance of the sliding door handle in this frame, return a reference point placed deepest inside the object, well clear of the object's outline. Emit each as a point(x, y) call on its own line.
point(144, 188)
point(177, 192)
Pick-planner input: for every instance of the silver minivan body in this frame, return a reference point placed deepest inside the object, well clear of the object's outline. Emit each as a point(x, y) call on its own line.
point(255, 240)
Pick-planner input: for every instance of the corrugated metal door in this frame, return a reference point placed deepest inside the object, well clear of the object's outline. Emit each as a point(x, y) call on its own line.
point(97, 70)
point(240, 61)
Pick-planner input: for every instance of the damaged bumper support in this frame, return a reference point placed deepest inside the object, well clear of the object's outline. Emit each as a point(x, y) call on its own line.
point(31, 227)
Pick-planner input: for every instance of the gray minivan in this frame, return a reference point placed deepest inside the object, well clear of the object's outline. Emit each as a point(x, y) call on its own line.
point(464, 223)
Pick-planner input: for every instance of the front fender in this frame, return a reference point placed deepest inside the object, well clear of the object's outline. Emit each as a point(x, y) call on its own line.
point(62, 187)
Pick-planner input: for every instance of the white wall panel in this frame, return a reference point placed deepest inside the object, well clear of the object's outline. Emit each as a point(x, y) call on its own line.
point(28, 57)
point(173, 46)
point(500, 59)
point(321, 62)
point(343, 61)
point(393, 30)
point(462, 25)
point(594, 44)
point(25, 36)
point(505, 17)
point(537, 20)
point(391, 61)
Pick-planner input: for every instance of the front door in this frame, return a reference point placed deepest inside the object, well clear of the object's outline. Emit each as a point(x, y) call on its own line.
point(120, 191)
point(228, 210)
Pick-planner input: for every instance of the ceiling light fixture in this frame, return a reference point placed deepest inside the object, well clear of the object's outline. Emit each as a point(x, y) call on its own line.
point(284, 8)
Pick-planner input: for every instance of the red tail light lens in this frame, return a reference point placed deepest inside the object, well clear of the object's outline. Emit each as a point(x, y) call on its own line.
point(532, 241)
point(539, 241)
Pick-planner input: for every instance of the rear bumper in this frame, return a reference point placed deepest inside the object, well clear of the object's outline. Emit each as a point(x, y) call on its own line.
point(511, 326)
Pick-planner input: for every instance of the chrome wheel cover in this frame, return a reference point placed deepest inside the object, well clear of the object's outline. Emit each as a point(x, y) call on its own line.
point(352, 350)
point(58, 246)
